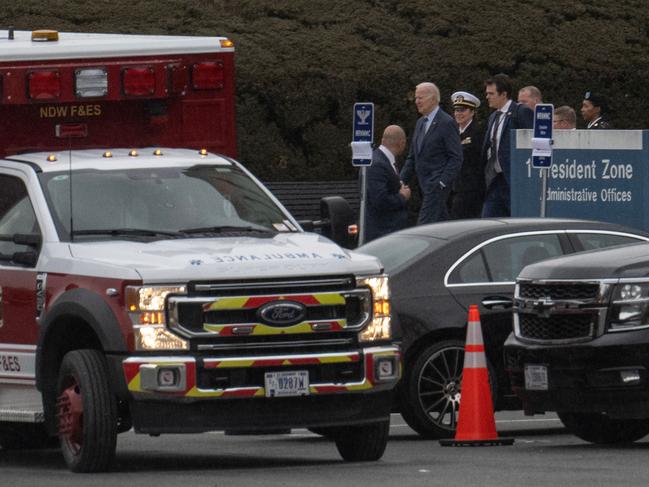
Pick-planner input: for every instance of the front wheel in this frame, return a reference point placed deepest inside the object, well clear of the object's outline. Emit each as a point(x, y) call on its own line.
point(365, 443)
point(86, 411)
point(432, 389)
point(599, 428)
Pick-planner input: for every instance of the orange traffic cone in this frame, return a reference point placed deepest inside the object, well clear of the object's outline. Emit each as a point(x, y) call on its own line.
point(476, 423)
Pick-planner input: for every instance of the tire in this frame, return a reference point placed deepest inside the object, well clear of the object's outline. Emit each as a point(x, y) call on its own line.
point(365, 443)
point(87, 412)
point(600, 429)
point(430, 397)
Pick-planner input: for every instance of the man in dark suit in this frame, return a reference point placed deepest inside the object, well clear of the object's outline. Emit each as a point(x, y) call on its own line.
point(435, 154)
point(507, 116)
point(468, 189)
point(387, 198)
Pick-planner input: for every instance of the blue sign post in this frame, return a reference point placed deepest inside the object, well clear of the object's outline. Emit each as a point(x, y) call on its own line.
point(362, 137)
point(542, 138)
point(542, 144)
point(363, 134)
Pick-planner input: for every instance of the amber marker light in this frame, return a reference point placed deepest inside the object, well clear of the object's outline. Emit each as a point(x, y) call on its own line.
point(226, 43)
point(133, 153)
point(45, 35)
point(108, 154)
point(147, 308)
point(203, 152)
point(157, 152)
point(51, 158)
point(379, 327)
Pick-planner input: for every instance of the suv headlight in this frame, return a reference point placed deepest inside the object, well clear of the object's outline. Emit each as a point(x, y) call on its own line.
point(146, 307)
point(629, 306)
point(380, 326)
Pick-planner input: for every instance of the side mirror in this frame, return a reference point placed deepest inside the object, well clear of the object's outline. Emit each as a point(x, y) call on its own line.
point(28, 259)
point(29, 239)
point(337, 218)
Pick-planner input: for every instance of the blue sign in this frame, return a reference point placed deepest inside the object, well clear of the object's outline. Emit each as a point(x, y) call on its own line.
point(542, 139)
point(595, 175)
point(363, 134)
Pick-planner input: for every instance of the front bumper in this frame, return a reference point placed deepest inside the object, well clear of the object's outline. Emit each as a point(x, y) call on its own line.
point(202, 393)
point(609, 374)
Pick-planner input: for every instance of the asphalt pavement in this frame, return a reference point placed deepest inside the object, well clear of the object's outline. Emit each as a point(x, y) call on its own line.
point(543, 454)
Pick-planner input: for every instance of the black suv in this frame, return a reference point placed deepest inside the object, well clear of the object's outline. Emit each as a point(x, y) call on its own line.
point(580, 345)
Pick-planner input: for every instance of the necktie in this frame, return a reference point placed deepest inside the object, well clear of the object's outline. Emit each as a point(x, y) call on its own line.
point(421, 133)
point(493, 167)
point(494, 135)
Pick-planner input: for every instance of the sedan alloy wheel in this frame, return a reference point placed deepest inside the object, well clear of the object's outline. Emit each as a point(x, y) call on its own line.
point(433, 391)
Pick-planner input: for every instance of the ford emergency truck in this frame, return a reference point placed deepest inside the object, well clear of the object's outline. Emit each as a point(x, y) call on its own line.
point(148, 283)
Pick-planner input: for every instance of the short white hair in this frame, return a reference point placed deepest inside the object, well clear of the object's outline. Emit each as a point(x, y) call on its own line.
point(432, 87)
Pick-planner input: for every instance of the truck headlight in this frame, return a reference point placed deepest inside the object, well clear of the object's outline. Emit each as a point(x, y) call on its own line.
point(629, 306)
point(146, 307)
point(380, 326)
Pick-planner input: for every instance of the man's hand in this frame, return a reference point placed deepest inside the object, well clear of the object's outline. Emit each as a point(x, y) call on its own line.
point(404, 191)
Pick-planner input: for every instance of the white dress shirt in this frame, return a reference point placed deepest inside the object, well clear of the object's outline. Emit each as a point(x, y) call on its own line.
point(390, 156)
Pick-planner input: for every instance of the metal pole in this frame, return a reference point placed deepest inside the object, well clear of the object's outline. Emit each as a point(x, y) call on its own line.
point(361, 231)
point(544, 189)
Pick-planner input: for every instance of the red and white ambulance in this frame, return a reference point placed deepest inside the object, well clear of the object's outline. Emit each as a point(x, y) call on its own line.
point(148, 283)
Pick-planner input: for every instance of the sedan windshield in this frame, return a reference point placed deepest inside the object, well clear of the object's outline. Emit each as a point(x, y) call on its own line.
point(160, 203)
point(395, 251)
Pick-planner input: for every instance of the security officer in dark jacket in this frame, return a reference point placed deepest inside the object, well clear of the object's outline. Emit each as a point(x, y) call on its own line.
point(387, 197)
point(592, 109)
point(468, 191)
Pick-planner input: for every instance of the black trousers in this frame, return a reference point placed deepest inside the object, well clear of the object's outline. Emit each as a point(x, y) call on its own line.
point(466, 204)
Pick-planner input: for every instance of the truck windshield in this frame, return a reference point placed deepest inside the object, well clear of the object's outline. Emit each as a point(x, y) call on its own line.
point(160, 202)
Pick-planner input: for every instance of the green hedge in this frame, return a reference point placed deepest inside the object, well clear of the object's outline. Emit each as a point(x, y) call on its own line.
point(302, 64)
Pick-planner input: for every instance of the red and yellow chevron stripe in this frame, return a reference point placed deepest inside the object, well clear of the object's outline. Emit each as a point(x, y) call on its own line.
point(245, 302)
point(262, 329)
point(258, 329)
point(280, 362)
point(131, 369)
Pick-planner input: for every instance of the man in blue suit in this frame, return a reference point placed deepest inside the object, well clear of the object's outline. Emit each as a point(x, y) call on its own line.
point(496, 158)
point(435, 154)
point(387, 197)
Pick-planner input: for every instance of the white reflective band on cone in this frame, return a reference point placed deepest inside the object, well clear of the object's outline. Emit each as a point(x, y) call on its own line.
point(475, 360)
point(474, 333)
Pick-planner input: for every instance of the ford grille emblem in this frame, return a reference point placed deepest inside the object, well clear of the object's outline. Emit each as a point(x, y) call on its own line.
point(282, 313)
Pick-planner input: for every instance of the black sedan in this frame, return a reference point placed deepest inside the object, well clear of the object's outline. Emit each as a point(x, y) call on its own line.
point(437, 271)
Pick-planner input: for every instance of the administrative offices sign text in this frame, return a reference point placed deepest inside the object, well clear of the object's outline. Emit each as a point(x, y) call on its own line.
point(595, 174)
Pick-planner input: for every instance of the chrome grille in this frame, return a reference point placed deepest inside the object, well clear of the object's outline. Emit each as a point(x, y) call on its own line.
point(328, 303)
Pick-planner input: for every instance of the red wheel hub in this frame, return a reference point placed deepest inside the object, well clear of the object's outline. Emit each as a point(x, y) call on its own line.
point(69, 411)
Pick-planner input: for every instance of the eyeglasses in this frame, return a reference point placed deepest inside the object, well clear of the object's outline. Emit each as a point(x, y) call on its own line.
point(460, 109)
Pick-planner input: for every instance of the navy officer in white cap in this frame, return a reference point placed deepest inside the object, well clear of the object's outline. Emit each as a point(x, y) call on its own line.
point(468, 189)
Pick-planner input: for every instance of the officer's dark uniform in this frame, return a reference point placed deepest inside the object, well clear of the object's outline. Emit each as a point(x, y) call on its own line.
point(600, 102)
point(468, 189)
point(601, 123)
